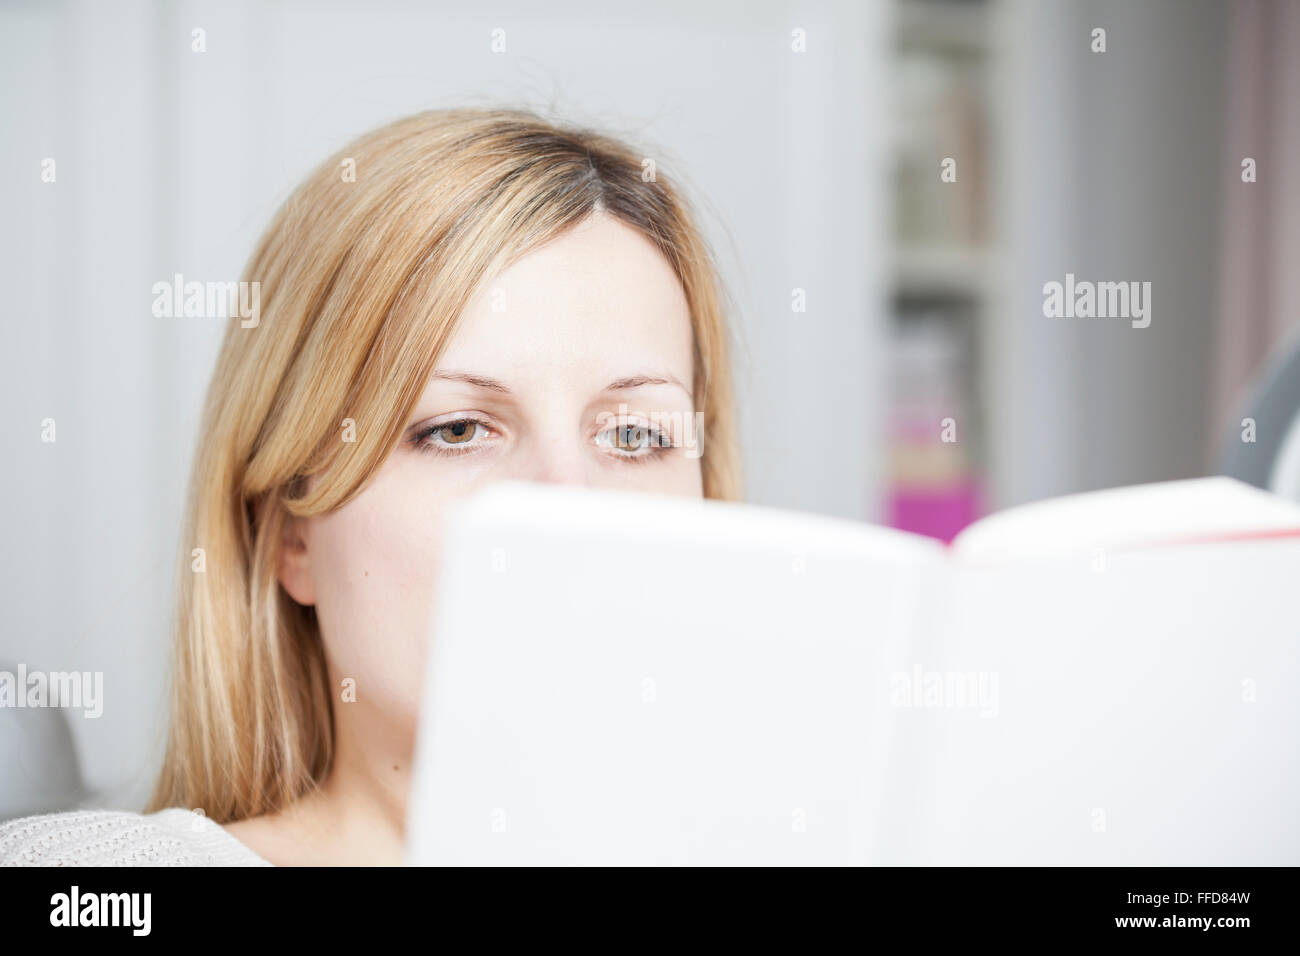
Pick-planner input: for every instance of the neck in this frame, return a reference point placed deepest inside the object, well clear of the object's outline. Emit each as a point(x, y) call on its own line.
point(364, 798)
point(357, 816)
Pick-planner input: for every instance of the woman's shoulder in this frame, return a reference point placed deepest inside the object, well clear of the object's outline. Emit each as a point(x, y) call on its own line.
point(172, 837)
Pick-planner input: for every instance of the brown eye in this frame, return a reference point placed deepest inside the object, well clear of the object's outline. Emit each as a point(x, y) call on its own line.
point(456, 433)
point(632, 438)
point(634, 441)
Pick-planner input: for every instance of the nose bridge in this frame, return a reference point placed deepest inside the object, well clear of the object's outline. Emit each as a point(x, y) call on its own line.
point(558, 455)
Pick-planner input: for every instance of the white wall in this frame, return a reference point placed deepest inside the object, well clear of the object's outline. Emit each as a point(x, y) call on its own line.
point(172, 161)
point(1111, 168)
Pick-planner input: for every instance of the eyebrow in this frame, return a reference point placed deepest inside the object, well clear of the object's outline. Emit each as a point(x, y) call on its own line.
point(479, 381)
point(619, 384)
point(636, 381)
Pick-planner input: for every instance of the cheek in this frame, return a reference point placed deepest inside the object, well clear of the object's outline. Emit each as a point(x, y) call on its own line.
point(693, 479)
point(373, 565)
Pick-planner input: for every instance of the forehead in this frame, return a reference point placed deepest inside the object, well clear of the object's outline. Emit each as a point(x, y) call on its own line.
point(591, 300)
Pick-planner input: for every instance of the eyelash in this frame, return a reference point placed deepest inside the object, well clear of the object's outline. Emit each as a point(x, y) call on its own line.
point(651, 452)
point(422, 441)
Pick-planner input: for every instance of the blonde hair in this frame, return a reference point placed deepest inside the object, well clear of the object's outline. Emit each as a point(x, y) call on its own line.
point(362, 283)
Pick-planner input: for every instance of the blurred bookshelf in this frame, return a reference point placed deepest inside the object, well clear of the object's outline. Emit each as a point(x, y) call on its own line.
point(943, 253)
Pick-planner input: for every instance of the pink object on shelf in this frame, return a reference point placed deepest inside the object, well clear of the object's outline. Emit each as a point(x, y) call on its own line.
point(935, 512)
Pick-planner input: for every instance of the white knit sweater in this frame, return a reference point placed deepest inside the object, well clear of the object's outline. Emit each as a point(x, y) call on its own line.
point(174, 837)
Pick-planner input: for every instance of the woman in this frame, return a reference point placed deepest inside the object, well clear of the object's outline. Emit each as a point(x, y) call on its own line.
point(458, 297)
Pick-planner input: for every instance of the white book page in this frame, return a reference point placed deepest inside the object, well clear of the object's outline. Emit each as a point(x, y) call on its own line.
point(907, 811)
point(627, 678)
point(1160, 513)
point(1137, 710)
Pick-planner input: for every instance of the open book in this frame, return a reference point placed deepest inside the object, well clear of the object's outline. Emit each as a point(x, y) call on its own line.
point(1109, 678)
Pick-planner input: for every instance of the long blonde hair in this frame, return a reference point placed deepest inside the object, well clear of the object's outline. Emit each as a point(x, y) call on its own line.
point(362, 279)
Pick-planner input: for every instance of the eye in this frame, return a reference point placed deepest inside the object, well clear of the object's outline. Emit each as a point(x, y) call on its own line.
point(457, 437)
point(635, 441)
point(457, 432)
